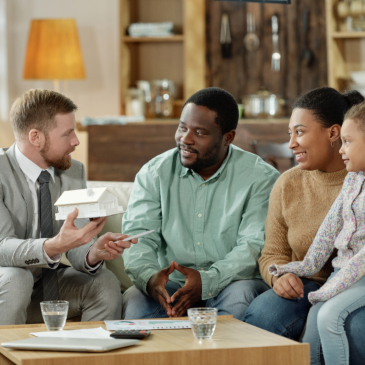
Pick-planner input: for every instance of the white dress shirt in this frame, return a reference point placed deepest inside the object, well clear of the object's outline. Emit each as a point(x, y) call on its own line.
point(32, 172)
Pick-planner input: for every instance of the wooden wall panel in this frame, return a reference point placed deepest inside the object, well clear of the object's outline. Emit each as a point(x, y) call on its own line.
point(246, 72)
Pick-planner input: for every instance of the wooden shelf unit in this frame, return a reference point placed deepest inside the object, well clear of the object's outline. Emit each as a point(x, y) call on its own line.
point(180, 58)
point(155, 136)
point(174, 38)
point(348, 35)
point(344, 53)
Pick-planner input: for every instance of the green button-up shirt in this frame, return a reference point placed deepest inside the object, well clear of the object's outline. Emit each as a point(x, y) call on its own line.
point(216, 226)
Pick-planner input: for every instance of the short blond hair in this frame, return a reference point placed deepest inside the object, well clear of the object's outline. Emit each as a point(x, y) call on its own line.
point(36, 109)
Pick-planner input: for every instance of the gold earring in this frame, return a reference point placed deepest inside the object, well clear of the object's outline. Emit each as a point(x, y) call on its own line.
point(332, 144)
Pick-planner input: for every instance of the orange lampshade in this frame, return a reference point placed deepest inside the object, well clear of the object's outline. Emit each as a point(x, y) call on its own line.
point(54, 51)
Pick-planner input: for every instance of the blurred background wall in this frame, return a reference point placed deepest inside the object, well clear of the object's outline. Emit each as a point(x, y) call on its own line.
point(98, 25)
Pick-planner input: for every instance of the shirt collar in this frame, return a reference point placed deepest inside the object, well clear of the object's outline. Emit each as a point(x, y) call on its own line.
point(185, 170)
point(29, 168)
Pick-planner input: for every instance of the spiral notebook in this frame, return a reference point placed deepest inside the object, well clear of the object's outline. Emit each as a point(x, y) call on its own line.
point(149, 324)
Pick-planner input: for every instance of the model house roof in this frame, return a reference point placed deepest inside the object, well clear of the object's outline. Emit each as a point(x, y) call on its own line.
point(81, 196)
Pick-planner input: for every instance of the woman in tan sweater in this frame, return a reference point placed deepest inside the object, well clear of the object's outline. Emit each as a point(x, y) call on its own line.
point(299, 202)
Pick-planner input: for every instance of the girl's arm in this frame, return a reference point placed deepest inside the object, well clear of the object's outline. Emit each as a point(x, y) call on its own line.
point(353, 271)
point(321, 248)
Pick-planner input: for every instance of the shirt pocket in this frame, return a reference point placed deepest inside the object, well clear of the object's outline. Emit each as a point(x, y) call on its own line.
point(226, 236)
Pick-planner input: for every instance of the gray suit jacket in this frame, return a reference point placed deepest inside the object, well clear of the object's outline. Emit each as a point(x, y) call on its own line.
point(17, 246)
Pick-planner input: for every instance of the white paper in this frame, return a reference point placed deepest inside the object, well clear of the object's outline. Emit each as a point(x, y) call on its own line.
point(84, 333)
point(150, 324)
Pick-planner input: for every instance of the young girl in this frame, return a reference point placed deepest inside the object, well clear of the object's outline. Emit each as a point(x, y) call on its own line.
point(343, 229)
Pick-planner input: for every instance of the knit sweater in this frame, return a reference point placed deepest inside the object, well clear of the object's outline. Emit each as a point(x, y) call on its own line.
point(343, 229)
point(299, 202)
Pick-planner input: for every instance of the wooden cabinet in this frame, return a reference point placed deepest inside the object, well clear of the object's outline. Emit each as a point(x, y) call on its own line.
point(180, 58)
point(343, 50)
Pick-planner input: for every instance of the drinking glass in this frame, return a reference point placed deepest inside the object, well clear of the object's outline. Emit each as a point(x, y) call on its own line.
point(203, 322)
point(54, 314)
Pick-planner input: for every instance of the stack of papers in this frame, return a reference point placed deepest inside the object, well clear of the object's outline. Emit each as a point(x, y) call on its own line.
point(151, 29)
point(149, 324)
point(85, 333)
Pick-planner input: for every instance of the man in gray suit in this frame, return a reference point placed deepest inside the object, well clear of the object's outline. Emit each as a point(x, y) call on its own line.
point(33, 174)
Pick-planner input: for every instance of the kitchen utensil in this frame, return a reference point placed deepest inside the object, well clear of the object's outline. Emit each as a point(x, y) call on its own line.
point(307, 54)
point(251, 40)
point(263, 105)
point(225, 38)
point(275, 56)
point(163, 95)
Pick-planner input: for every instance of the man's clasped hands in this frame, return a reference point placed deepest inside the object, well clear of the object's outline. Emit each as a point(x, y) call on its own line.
point(187, 296)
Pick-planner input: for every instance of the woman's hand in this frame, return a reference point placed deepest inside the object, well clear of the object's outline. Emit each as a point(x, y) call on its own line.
point(288, 286)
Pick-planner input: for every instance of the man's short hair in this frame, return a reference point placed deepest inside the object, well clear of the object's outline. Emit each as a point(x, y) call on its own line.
point(221, 102)
point(36, 109)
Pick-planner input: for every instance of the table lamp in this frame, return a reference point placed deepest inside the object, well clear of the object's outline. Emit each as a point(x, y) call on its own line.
point(54, 51)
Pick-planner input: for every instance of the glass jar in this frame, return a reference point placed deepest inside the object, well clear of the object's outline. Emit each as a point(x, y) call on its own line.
point(134, 102)
point(163, 95)
point(343, 9)
point(356, 8)
point(145, 86)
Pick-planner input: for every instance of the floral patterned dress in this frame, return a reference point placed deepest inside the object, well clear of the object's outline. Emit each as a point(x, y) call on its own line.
point(343, 229)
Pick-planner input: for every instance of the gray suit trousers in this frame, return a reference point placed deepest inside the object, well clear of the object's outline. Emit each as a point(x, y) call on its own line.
point(94, 297)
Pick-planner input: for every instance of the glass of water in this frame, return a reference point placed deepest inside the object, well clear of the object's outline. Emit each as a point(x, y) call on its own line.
point(203, 322)
point(54, 314)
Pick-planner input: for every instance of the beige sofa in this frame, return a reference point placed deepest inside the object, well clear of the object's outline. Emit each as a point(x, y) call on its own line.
point(114, 223)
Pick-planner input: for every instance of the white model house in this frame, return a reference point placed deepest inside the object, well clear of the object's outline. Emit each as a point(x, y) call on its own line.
point(91, 203)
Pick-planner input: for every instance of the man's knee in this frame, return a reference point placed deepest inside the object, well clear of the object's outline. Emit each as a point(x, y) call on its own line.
point(237, 296)
point(251, 289)
point(106, 286)
point(16, 286)
point(259, 311)
point(134, 302)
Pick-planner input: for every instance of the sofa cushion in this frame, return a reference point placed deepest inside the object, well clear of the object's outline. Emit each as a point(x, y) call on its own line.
point(114, 224)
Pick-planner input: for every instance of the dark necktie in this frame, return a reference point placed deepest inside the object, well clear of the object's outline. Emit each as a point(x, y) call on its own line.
point(49, 276)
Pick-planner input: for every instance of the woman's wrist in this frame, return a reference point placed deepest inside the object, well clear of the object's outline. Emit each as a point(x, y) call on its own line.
point(273, 279)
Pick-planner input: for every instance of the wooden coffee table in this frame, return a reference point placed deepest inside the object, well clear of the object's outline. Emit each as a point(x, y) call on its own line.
point(233, 342)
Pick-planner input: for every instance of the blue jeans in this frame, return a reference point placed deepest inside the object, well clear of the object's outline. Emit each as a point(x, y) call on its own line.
point(326, 325)
point(285, 317)
point(288, 317)
point(234, 300)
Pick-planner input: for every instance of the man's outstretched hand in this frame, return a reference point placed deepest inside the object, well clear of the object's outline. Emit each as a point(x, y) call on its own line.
point(156, 288)
point(190, 293)
point(108, 247)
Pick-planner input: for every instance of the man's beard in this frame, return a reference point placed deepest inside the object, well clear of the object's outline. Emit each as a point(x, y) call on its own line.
point(62, 163)
point(202, 162)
